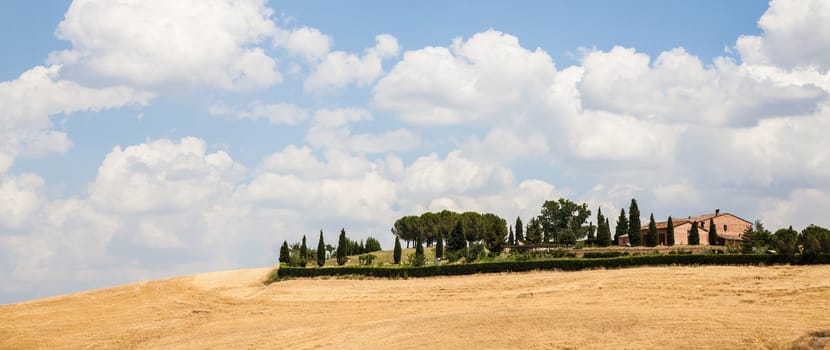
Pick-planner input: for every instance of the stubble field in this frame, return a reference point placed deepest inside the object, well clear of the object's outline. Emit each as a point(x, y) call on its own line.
point(713, 307)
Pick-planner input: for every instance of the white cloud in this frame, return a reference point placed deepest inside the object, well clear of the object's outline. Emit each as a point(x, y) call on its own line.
point(19, 199)
point(28, 101)
point(800, 208)
point(339, 69)
point(488, 75)
point(307, 42)
point(330, 129)
point(796, 34)
point(196, 42)
point(275, 113)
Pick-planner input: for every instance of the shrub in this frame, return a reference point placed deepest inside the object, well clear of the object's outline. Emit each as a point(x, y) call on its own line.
point(611, 254)
point(366, 259)
point(417, 259)
point(473, 252)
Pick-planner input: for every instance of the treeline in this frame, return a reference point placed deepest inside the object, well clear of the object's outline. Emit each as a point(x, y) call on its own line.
point(299, 254)
point(458, 229)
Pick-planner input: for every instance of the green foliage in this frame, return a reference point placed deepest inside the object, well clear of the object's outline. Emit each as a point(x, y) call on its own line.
point(407, 228)
point(456, 239)
point(284, 252)
point(553, 264)
point(342, 247)
point(815, 239)
point(652, 238)
point(786, 241)
point(495, 232)
point(321, 251)
point(608, 254)
point(694, 235)
point(592, 238)
point(564, 215)
point(534, 231)
point(439, 246)
point(635, 237)
point(756, 238)
point(303, 253)
point(372, 245)
point(474, 252)
point(519, 230)
point(603, 230)
point(670, 232)
point(622, 227)
point(713, 233)
point(511, 240)
point(366, 259)
point(396, 254)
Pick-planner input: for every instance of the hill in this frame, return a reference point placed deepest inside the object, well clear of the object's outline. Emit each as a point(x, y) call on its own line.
point(655, 307)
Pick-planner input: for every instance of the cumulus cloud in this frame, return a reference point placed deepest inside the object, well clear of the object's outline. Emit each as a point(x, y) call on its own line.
point(330, 129)
point(339, 69)
point(149, 43)
point(27, 102)
point(795, 34)
point(275, 113)
point(306, 42)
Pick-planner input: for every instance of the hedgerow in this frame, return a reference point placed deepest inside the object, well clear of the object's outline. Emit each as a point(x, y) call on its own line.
point(551, 264)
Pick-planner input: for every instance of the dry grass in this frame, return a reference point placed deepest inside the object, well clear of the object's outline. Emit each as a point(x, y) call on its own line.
point(660, 307)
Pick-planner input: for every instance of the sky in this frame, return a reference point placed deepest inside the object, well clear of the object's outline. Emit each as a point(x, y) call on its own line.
point(148, 139)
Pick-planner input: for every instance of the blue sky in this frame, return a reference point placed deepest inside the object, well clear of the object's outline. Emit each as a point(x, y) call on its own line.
point(161, 139)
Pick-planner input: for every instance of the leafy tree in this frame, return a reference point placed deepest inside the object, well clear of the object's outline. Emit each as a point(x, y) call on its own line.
point(622, 227)
point(342, 247)
point(694, 236)
point(303, 253)
point(652, 238)
point(407, 228)
point(321, 251)
point(456, 240)
point(284, 252)
point(786, 240)
point(519, 230)
point(439, 246)
point(511, 240)
point(815, 239)
point(495, 232)
point(561, 215)
point(756, 237)
point(534, 231)
point(713, 233)
point(396, 254)
point(474, 226)
point(670, 232)
point(429, 226)
point(635, 237)
point(372, 245)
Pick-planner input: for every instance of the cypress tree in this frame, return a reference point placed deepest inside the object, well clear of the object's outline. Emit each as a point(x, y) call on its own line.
point(284, 252)
point(303, 253)
point(622, 227)
point(713, 233)
point(652, 239)
point(396, 255)
point(456, 241)
point(519, 230)
point(419, 252)
point(635, 237)
point(342, 248)
point(603, 233)
point(321, 251)
point(670, 232)
point(694, 236)
point(510, 239)
point(607, 232)
point(439, 246)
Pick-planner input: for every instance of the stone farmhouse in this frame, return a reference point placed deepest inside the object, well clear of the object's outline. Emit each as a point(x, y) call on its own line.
point(729, 229)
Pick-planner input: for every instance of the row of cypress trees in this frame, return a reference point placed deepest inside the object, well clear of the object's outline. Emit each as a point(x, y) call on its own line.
point(345, 247)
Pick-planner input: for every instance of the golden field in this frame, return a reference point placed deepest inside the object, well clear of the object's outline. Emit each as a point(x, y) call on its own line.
point(714, 307)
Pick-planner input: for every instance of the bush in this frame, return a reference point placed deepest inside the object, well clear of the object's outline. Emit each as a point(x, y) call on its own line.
point(366, 259)
point(473, 252)
point(417, 259)
point(611, 254)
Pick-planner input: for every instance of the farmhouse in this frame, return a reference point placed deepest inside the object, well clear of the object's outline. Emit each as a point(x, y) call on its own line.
point(729, 229)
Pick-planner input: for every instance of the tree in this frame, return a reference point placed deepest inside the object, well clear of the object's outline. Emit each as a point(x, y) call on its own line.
point(456, 240)
point(407, 228)
point(534, 231)
point(756, 237)
point(694, 236)
point(670, 232)
point(396, 254)
point(652, 238)
point(592, 238)
point(495, 232)
point(815, 239)
point(510, 239)
point(439, 246)
point(600, 222)
point(342, 247)
point(713, 233)
point(603, 231)
point(303, 253)
point(372, 245)
point(519, 230)
point(558, 216)
point(622, 227)
point(635, 237)
point(321, 251)
point(284, 252)
point(420, 257)
point(786, 240)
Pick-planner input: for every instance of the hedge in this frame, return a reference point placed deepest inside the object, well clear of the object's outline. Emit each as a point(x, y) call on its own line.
point(551, 264)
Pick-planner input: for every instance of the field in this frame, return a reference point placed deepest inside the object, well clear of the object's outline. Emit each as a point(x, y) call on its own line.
point(654, 307)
